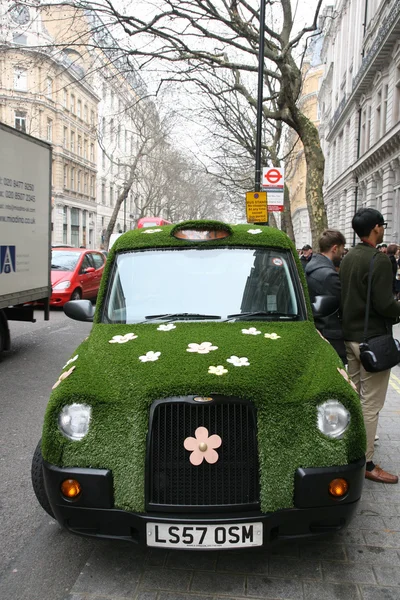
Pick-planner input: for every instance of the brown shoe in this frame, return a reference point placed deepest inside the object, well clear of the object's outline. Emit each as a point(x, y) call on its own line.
point(378, 474)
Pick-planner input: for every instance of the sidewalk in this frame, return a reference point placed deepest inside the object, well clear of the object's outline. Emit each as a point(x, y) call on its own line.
point(362, 562)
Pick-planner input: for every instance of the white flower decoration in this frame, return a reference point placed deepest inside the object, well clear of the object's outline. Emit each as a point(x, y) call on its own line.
point(166, 327)
point(219, 370)
point(62, 377)
point(151, 230)
point(203, 348)
point(71, 360)
point(150, 356)
point(254, 231)
point(272, 336)
point(238, 362)
point(122, 339)
point(251, 331)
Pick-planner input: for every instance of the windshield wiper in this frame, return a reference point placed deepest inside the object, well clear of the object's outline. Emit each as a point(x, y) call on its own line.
point(56, 267)
point(261, 313)
point(173, 316)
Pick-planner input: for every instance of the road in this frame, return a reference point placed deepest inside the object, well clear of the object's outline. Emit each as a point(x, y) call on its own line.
point(40, 561)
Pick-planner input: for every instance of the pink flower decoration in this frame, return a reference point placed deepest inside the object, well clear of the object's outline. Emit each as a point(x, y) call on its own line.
point(347, 378)
point(202, 446)
point(62, 377)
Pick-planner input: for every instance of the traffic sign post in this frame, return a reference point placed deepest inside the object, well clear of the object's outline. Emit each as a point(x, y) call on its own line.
point(256, 207)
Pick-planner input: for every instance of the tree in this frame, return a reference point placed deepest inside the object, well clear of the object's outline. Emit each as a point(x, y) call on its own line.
point(200, 37)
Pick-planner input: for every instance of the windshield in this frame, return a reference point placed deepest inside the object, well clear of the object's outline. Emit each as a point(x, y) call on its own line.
point(201, 283)
point(64, 261)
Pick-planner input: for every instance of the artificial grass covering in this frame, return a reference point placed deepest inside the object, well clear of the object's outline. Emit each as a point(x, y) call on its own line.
point(287, 378)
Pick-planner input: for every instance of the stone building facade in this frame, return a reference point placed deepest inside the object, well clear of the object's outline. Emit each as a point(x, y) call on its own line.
point(359, 103)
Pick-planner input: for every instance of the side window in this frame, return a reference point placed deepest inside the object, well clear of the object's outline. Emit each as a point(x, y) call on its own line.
point(86, 263)
point(98, 260)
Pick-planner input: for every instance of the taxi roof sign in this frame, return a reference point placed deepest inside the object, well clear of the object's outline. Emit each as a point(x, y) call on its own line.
point(256, 207)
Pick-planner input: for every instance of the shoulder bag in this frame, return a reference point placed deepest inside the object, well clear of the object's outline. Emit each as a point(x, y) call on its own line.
point(381, 352)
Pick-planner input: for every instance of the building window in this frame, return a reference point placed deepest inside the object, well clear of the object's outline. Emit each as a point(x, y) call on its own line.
point(396, 97)
point(49, 88)
point(20, 79)
point(85, 185)
point(65, 176)
point(65, 100)
point(92, 186)
point(92, 152)
point(103, 159)
point(85, 148)
point(79, 145)
point(20, 121)
point(72, 141)
point(65, 222)
point(65, 139)
point(49, 130)
point(92, 117)
point(72, 178)
point(103, 193)
point(79, 109)
point(72, 105)
point(385, 93)
point(79, 181)
point(85, 113)
point(75, 227)
point(111, 195)
point(20, 39)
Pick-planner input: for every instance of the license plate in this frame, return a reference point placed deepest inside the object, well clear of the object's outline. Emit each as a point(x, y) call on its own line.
point(176, 535)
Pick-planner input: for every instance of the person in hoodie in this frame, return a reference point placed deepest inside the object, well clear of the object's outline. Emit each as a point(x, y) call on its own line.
point(323, 280)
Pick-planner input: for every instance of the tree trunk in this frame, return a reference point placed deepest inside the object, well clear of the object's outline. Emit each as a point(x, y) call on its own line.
point(286, 217)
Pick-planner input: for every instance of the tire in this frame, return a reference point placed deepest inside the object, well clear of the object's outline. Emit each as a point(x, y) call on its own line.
point(38, 480)
point(76, 294)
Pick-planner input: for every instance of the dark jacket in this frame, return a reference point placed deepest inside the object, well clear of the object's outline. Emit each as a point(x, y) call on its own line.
point(384, 310)
point(305, 261)
point(323, 280)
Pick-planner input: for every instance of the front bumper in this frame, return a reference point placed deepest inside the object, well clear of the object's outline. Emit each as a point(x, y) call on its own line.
point(315, 512)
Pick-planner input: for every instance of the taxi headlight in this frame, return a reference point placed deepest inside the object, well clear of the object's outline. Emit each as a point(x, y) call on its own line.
point(63, 285)
point(73, 421)
point(333, 418)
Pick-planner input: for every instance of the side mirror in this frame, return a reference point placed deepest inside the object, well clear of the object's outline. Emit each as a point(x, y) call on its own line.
point(80, 310)
point(323, 306)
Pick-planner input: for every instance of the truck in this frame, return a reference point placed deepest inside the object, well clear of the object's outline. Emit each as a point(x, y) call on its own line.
point(25, 228)
point(204, 410)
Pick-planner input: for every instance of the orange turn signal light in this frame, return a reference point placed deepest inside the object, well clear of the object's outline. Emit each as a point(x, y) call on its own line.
point(71, 489)
point(338, 488)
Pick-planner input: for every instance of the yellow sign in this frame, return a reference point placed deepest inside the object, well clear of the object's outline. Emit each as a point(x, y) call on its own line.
point(256, 207)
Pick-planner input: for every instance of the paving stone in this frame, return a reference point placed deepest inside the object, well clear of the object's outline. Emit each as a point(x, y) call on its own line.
point(318, 550)
point(285, 549)
point(175, 596)
point(201, 561)
point(362, 522)
point(267, 587)
point(295, 568)
point(156, 557)
point(387, 575)
point(218, 583)
point(386, 538)
point(372, 555)
point(347, 572)
point(146, 596)
point(380, 593)
point(165, 579)
point(393, 523)
point(349, 536)
point(383, 509)
point(243, 562)
point(330, 591)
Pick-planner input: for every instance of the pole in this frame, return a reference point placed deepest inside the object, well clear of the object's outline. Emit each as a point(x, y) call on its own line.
point(260, 96)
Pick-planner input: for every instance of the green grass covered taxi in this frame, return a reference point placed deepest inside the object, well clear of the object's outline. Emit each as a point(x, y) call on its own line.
point(204, 410)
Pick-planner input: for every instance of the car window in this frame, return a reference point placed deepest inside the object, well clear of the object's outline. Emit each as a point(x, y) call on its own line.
point(86, 263)
point(64, 261)
point(98, 260)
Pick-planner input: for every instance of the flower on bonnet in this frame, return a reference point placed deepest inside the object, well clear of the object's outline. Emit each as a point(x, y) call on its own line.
point(202, 446)
point(254, 231)
point(122, 339)
point(238, 362)
point(272, 336)
point(203, 348)
point(63, 376)
point(347, 378)
point(219, 370)
point(73, 359)
point(150, 356)
point(151, 230)
point(166, 327)
point(251, 331)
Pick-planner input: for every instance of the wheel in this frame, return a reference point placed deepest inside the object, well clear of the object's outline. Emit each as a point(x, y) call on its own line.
point(76, 294)
point(38, 480)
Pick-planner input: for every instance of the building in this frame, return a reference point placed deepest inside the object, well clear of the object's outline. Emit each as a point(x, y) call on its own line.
point(295, 166)
point(359, 103)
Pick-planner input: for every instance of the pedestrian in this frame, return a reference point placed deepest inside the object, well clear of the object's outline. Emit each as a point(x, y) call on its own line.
point(391, 253)
point(369, 225)
point(323, 280)
point(306, 255)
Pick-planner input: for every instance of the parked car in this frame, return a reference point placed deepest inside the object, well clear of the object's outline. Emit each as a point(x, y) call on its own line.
point(75, 274)
point(204, 410)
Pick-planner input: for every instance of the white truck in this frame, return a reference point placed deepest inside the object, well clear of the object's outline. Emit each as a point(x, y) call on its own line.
point(25, 228)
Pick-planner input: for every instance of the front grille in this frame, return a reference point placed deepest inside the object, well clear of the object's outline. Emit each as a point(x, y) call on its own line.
point(174, 482)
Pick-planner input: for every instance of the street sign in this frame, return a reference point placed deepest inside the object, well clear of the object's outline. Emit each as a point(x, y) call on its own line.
point(273, 177)
point(256, 207)
point(275, 200)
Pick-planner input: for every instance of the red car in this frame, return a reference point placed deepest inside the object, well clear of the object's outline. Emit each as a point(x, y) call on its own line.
point(75, 274)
